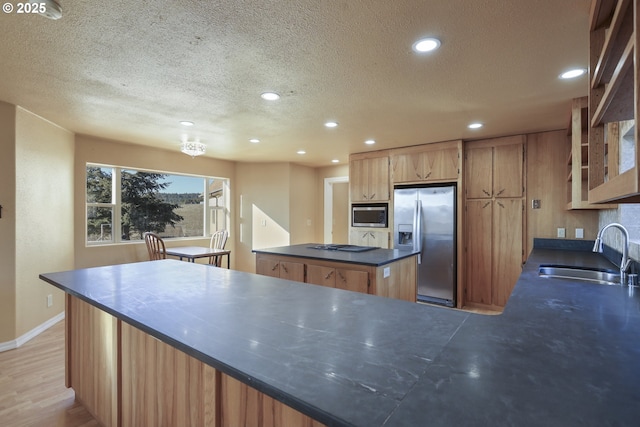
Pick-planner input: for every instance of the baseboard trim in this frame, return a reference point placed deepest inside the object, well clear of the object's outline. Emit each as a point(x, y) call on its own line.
point(10, 345)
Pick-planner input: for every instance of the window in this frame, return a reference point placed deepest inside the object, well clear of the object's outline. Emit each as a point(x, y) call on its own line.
point(124, 203)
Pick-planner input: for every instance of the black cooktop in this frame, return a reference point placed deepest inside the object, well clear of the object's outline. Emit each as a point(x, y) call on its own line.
point(344, 248)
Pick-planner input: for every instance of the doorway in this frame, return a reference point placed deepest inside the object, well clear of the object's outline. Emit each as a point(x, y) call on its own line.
point(336, 210)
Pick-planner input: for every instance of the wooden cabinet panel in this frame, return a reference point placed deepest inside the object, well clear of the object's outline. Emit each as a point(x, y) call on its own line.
point(400, 282)
point(351, 280)
point(429, 165)
point(494, 219)
point(369, 179)
point(407, 167)
point(242, 405)
point(479, 168)
point(341, 278)
point(442, 164)
point(292, 271)
point(379, 239)
point(282, 269)
point(379, 179)
point(508, 163)
point(321, 275)
point(358, 180)
point(163, 386)
point(92, 359)
point(479, 253)
point(507, 247)
point(268, 267)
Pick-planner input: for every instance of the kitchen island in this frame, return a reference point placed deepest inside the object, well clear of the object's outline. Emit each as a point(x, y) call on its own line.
point(563, 352)
point(388, 273)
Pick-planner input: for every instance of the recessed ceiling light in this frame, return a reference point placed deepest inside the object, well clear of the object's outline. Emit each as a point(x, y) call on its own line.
point(331, 124)
point(369, 142)
point(571, 74)
point(335, 161)
point(475, 125)
point(186, 123)
point(301, 152)
point(426, 45)
point(254, 140)
point(270, 96)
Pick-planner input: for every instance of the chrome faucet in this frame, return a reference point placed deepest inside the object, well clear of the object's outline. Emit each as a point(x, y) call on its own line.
point(624, 264)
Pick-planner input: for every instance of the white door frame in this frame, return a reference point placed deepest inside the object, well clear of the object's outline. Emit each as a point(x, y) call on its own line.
point(328, 205)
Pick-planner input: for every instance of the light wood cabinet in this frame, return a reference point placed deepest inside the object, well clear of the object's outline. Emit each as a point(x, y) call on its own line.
point(341, 278)
point(426, 163)
point(394, 280)
point(377, 238)
point(126, 377)
point(369, 178)
point(432, 165)
point(495, 171)
point(282, 269)
point(613, 99)
point(578, 159)
point(494, 211)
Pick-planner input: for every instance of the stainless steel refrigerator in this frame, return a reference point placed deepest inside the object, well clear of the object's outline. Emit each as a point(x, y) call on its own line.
point(424, 219)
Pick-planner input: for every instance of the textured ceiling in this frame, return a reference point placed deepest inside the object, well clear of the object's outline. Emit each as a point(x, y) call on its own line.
point(131, 70)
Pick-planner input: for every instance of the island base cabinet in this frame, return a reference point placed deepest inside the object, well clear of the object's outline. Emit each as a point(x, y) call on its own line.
point(394, 280)
point(126, 378)
point(245, 406)
point(162, 386)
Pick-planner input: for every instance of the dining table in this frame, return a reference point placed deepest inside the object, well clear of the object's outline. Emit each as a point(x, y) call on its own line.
point(191, 253)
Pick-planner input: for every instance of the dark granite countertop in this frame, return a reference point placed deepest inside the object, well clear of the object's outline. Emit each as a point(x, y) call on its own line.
point(563, 352)
point(374, 257)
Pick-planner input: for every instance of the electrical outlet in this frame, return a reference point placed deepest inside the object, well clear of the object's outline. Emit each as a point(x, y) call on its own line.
point(561, 232)
point(49, 300)
point(579, 233)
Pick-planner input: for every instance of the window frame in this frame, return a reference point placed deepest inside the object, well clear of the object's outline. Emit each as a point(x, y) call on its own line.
point(116, 204)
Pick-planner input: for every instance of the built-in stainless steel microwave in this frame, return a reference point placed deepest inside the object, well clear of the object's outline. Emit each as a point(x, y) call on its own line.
point(370, 215)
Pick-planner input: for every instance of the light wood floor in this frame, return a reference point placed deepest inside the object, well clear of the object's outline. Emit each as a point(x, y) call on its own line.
point(32, 391)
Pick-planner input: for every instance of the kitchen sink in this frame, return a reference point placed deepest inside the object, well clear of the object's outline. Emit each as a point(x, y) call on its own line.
point(593, 275)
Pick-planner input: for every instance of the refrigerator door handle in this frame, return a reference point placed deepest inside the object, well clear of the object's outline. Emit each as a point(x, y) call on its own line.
point(417, 230)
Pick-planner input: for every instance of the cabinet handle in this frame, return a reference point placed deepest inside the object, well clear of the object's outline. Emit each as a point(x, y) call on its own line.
point(364, 196)
point(486, 192)
point(372, 235)
point(372, 196)
point(284, 267)
point(328, 276)
point(342, 277)
point(418, 175)
point(486, 204)
point(501, 205)
point(500, 192)
point(427, 176)
point(275, 266)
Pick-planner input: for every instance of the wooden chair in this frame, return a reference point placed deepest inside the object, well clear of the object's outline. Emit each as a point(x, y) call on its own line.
point(155, 246)
point(218, 241)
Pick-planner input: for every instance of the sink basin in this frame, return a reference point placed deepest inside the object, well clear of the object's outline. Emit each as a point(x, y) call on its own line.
point(594, 275)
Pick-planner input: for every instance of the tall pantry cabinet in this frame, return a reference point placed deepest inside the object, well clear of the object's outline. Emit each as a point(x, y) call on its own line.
point(494, 212)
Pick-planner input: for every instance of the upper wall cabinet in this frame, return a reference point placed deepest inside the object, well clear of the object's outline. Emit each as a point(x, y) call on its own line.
point(578, 159)
point(613, 172)
point(369, 177)
point(430, 162)
point(495, 171)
